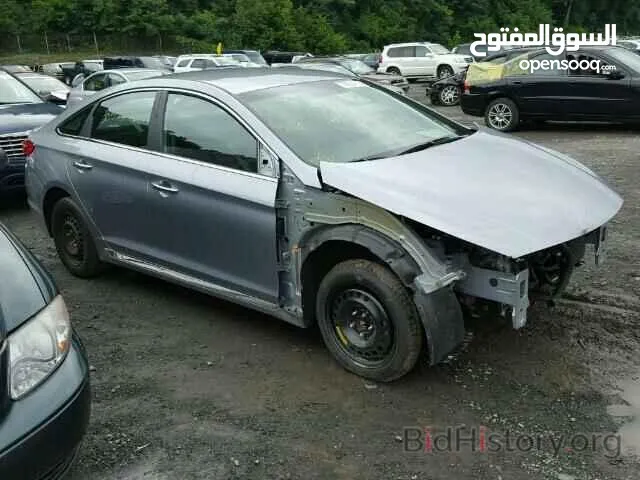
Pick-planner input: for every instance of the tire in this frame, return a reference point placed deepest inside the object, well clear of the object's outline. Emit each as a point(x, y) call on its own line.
point(444, 71)
point(73, 240)
point(502, 114)
point(385, 340)
point(449, 95)
point(394, 70)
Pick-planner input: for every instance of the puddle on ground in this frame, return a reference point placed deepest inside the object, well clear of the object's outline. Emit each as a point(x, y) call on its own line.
point(630, 431)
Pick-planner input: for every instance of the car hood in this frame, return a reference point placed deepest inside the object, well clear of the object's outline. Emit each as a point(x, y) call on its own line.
point(27, 116)
point(26, 286)
point(506, 195)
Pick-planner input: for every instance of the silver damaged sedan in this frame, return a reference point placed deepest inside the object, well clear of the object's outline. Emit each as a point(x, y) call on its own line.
point(317, 198)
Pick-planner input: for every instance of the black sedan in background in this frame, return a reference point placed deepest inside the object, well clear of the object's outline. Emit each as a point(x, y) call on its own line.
point(513, 94)
point(448, 91)
point(45, 399)
point(362, 70)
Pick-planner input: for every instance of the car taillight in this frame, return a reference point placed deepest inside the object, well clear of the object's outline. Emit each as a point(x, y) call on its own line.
point(466, 86)
point(28, 147)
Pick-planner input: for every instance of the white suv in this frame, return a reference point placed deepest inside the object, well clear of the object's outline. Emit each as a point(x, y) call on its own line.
point(421, 60)
point(190, 63)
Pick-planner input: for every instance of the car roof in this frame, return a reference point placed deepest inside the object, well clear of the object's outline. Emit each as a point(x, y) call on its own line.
point(242, 80)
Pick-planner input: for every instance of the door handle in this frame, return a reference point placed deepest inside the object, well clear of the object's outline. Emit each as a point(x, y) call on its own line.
point(82, 165)
point(164, 186)
point(516, 82)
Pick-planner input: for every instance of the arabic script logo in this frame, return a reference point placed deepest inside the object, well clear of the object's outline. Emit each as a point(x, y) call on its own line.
point(570, 42)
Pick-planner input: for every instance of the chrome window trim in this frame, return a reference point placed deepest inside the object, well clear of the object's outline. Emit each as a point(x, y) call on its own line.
point(193, 93)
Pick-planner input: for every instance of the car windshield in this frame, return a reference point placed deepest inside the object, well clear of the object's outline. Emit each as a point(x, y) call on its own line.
point(133, 76)
point(12, 91)
point(92, 66)
point(357, 66)
point(150, 62)
point(625, 57)
point(255, 57)
point(439, 49)
point(17, 68)
point(44, 84)
point(327, 67)
point(342, 120)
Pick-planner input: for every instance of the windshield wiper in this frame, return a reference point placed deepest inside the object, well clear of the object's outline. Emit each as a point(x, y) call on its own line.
point(431, 143)
point(413, 148)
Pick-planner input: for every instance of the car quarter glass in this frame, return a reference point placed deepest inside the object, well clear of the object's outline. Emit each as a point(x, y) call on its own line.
point(124, 119)
point(197, 129)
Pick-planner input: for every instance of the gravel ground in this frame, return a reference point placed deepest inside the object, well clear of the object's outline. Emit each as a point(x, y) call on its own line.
point(190, 387)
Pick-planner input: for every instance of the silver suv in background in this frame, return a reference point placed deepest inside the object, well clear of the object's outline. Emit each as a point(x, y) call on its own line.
point(421, 60)
point(316, 198)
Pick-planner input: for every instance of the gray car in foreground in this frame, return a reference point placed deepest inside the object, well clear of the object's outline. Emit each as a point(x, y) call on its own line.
point(317, 198)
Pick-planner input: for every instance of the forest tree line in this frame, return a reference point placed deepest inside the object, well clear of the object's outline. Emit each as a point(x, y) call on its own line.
point(319, 26)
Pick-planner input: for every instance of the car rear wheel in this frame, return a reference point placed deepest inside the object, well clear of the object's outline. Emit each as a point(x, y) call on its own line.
point(368, 320)
point(450, 95)
point(73, 240)
point(393, 70)
point(445, 71)
point(502, 114)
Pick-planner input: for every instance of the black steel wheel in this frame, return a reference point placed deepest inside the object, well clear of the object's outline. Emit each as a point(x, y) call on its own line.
point(368, 320)
point(73, 240)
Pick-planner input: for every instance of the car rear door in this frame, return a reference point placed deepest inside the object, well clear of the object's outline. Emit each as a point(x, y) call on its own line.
point(104, 169)
point(537, 93)
point(211, 214)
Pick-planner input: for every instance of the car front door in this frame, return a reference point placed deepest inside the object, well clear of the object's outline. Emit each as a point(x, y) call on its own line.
point(212, 215)
point(104, 169)
point(425, 61)
point(602, 95)
point(537, 93)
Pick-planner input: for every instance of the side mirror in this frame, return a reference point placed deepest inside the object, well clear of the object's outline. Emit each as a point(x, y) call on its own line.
point(615, 75)
point(267, 162)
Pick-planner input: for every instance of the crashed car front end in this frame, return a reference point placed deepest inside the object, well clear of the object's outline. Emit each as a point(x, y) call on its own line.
point(505, 286)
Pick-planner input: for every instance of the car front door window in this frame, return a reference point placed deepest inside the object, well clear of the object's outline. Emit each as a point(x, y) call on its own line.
point(197, 129)
point(198, 63)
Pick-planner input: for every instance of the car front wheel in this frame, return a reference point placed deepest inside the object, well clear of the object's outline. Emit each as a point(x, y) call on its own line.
point(450, 95)
point(368, 320)
point(73, 240)
point(502, 114)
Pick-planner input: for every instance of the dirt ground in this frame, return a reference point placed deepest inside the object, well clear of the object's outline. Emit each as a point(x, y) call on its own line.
point(190, 387)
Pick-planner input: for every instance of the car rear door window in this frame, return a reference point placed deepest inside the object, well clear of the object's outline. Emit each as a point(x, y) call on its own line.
point(124, 119)
point(197, 129)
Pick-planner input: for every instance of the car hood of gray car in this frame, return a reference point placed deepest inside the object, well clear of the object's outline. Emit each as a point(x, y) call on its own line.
point(506, 195)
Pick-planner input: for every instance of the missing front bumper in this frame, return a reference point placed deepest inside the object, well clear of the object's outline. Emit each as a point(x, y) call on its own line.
point(504, 288)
